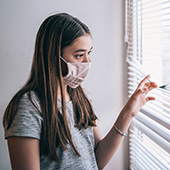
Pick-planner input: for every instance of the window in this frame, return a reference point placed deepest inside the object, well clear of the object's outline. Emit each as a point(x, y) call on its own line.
point(148, 52)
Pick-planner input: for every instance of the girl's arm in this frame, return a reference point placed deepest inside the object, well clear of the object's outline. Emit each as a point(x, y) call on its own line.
point(106, 147)
point(24, 153)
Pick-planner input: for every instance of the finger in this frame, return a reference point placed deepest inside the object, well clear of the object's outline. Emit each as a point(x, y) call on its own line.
point(151, 85)
point(142, 83)
point(150, 98)
point(150, 88)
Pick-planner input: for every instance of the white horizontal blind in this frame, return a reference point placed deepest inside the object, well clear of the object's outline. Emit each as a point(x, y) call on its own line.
point(147, 33)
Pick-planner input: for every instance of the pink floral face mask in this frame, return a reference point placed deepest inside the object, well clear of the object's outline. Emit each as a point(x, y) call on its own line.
point(77, 73)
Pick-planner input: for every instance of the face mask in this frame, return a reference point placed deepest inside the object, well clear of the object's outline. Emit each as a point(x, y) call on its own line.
point(77, 73)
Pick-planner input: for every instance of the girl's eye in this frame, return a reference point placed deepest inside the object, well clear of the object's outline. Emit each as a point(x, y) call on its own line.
point(89, 52)
point(79, 56)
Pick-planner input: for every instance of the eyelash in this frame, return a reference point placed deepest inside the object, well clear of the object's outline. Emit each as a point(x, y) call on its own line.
point(80, 55)
point(89, 52)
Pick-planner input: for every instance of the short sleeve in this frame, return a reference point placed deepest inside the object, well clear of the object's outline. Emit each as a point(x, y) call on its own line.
point(27, 121)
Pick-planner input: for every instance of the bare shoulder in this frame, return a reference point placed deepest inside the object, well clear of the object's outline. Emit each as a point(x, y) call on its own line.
point(97, 135)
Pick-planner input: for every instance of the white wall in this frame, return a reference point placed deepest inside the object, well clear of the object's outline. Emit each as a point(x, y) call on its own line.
point(106, 83)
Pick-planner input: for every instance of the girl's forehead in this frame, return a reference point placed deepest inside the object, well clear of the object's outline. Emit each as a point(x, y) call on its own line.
point(83, 42)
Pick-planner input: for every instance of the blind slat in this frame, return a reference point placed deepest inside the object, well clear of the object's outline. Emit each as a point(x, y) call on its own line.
point(156, 60)
point(157, 93)
point(156, 117)
point(145, 162)
point(143, 12)
point(146, 159)
point(157, 23)
point(138, 163)
point(154, 126)
point(164, 144)
point(160, 21)
point(156, 108)
point(140, 50)
point(144, 3)
point(164, 15)
point(149, 145)
point(137, 144)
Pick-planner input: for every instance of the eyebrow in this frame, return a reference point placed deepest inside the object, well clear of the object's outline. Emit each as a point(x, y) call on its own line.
point(82, 50)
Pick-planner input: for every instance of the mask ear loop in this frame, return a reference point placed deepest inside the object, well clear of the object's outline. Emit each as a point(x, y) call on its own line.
point(65, 68)
point(63, 60)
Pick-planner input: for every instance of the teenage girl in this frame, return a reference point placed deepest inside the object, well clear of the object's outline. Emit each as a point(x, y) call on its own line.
point(50, 123)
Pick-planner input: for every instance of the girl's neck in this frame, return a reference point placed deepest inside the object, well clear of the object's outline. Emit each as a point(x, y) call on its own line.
point(67, 96)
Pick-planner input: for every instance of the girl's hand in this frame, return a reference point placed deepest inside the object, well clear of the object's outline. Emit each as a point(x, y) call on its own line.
point(139, 98)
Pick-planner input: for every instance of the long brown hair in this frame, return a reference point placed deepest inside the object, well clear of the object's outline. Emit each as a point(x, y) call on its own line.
point(56, 32)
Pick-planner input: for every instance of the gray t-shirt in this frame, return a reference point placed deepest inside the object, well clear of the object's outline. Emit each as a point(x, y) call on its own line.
point(28, 123)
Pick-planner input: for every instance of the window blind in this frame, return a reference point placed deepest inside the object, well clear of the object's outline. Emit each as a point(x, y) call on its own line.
point(147, 34)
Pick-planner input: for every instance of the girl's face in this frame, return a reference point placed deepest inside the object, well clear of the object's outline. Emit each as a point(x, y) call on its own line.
point(79, 50)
